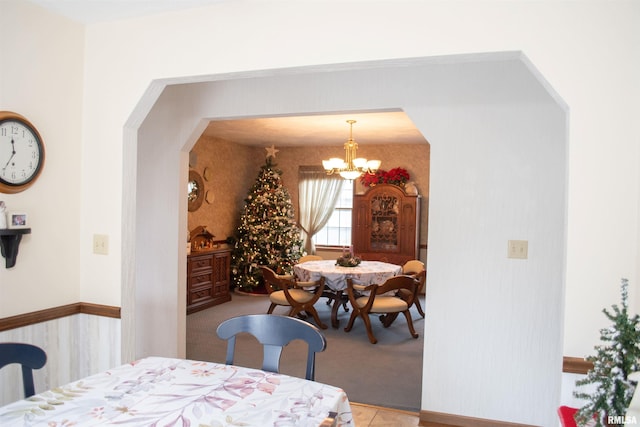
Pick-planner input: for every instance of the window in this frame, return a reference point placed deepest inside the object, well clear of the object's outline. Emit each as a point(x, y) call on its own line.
point(337, 232)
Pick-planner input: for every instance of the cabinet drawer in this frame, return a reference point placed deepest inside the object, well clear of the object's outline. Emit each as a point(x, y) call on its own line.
point(201, 280)
point(201, 263)
point(200, 294)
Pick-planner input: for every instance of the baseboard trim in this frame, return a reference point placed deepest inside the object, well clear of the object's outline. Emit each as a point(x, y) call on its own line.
point(439, 419)
point(53, 313)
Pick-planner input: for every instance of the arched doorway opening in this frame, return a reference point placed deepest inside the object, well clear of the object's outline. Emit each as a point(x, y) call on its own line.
point(498, 172)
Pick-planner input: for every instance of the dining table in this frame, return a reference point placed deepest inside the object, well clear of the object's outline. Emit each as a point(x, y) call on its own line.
point(365, 273)
point(158, 391)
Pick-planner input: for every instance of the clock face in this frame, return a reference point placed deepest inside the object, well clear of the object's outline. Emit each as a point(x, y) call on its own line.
point(21, 153)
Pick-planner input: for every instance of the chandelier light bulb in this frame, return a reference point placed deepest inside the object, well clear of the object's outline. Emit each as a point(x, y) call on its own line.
point(351, 167)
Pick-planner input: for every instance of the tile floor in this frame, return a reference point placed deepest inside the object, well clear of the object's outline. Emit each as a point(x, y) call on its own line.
point(375, 416)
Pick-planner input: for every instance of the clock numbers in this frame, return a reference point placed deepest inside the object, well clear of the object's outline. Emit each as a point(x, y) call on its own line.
point(19, 153)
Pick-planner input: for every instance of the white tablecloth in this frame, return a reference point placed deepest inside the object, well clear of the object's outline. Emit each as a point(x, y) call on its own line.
point(367, 273)
point(160, 391)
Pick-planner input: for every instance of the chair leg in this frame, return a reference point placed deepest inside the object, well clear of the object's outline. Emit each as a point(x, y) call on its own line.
point(388, 319)
point(311, 310)
point(352, 319)
point(367, 324)
point(418, 306)
point(410, 323)
point(271, 307)
point(344, 305)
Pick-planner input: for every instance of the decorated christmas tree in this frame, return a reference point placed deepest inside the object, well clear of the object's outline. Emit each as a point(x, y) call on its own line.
point(614, 361)
point(267, 234)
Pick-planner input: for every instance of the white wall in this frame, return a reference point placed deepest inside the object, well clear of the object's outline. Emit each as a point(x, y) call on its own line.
point(41, 77)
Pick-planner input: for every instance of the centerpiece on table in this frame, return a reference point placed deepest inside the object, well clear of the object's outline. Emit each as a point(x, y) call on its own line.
point(348, 259)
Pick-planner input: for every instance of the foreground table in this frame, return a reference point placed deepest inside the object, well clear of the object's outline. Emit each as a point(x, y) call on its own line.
point(367, 273)
point(176, 392)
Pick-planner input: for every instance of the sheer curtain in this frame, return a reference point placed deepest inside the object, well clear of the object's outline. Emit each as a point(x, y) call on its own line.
point(317, 197)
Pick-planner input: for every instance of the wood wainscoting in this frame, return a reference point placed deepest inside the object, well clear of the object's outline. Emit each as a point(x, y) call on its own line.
point(80, 339)
point(53, 313)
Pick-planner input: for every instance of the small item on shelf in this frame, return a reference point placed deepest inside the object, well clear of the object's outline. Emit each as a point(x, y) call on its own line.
point(3, 215)
point(201, 239)
point(17, 220)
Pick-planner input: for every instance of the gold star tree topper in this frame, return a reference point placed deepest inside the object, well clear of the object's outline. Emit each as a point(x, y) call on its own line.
point(271, 151)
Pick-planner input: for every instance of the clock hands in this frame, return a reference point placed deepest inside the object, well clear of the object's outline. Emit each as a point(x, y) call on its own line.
point(13, 153)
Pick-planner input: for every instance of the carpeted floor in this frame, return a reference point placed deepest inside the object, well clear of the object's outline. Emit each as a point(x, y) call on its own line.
point(388, 373)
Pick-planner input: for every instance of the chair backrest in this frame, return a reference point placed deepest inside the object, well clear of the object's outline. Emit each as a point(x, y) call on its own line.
point(273, 281)
point(309, 258)
point(29, 356)
point(416, 269)
point(413, 266)
point(394, 283)
point(273, 332)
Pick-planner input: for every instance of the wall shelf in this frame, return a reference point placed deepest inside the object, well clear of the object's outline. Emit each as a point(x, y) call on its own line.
point(9, 243)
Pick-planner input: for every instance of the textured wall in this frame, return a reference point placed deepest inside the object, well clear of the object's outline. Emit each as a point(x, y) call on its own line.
point(235, 167)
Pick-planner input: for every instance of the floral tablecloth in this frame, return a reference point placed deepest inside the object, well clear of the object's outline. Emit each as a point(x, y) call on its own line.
point(173, 392)
point(367, 273)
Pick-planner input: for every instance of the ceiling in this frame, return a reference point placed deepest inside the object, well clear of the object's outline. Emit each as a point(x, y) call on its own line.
point(332, 129)
point(370, 128)
point(93, 11)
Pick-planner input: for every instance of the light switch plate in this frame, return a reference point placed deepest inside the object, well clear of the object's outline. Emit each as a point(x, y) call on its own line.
point(518, 249)
point(101, 244)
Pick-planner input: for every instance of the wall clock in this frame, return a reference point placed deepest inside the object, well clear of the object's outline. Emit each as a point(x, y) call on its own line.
point(21, 153)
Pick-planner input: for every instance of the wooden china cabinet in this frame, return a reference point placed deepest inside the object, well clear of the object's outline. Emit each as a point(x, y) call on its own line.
point(386, 225)
point(208, 279)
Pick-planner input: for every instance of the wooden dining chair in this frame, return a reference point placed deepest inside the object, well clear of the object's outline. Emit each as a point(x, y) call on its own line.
point(299, 296)
point(330, 294)
point(29, 356)
point(274, 332)
point(382, 299)
point(412, 299)
point(416, 269)
point(306, 258)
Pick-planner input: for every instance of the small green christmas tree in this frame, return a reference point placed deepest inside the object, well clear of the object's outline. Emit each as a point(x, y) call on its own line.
point(267, 234)
point(612, 365)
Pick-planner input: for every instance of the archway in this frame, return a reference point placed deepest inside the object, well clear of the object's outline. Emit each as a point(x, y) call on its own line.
point(494, 127)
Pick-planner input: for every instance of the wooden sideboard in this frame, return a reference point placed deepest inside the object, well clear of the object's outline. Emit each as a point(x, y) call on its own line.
point(208, 279)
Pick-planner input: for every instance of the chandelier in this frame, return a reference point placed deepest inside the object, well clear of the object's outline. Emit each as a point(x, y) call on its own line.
point(351, 167)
